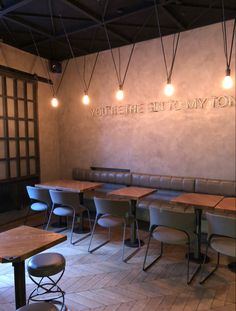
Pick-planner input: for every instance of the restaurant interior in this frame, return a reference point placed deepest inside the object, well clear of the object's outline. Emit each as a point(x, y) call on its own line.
point(117, 155)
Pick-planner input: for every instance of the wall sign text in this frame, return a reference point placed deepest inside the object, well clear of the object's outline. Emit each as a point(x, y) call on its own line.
point(214, 102)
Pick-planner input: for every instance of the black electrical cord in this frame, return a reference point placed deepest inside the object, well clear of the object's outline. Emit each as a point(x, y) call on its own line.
point(175, 46)
point(225, 40)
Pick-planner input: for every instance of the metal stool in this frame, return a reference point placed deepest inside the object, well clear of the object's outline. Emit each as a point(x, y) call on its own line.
point(40, 306)
point(44, 266)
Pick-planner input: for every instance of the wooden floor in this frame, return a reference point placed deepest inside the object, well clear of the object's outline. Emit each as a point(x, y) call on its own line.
point(102, 282)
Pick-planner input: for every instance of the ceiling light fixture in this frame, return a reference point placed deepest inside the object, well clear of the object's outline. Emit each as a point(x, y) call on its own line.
point(227, 82)
point(54, 102)
point(85, 98)
point(120, 92)
point(169, 88)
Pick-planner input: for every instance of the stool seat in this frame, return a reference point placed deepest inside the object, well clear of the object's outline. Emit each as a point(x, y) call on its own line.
point(47, 264)
point(41, 306)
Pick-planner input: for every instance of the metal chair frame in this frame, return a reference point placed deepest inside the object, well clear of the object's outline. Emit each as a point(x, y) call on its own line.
point(51, 287)
point(74, 214)
point(36, 199)
point(152, 228)
point(220, 227)
point(98, 216)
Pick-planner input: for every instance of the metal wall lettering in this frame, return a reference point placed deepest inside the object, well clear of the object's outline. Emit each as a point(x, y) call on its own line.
point(214, 102)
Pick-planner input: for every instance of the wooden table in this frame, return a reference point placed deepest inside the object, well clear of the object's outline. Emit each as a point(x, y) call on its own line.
point(74, 186)
point(199, 202)
point(20, 243)
point(70, 185)
point(227, 205)
point(133, 194)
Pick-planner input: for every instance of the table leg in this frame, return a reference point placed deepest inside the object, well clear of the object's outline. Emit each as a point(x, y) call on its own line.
point(59, 224)
point(133, 241)
point(232, 266)
point(19, 276)
point(197, 256)
point(80, 228)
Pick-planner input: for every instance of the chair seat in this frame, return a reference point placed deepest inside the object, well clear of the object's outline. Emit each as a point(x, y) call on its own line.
point(67, 211)
point(108, 221)
point(224, 245)
point(170, 235)
point(47, 264)
point(39, 207)
point(41, 306)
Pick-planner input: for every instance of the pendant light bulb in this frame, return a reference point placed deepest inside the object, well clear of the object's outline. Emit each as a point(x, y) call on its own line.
point(169, 89)
point(86, 99)
point(227, 82)
point(120, 94)
point(54, 102)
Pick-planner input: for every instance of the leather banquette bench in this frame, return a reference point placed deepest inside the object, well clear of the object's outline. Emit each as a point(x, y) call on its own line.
point(168, 187)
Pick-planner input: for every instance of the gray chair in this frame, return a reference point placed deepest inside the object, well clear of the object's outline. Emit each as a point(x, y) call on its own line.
point(171, 227)
point(221, 238)
point(40, 201)
point(67, 204)
point(39, 306)
point(111, 214)
point(44, 267)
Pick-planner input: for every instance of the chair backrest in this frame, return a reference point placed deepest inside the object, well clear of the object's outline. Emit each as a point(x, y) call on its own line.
point(65, 198)
point(221, 225)
point(113, 207)
point(174, 219)
point(39, 194)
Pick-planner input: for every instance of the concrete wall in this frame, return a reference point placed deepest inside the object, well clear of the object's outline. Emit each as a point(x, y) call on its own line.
point(48, 117)
point(184, 142)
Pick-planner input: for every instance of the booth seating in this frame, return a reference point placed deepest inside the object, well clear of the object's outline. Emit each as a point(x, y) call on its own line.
point(168, 187)
point(41, 269)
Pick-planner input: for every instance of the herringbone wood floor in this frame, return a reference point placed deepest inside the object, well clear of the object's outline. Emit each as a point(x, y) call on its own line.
point(102, 282)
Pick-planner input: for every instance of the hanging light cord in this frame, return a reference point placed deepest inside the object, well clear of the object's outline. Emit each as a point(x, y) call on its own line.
point(112, 55)
point(118, 70)
point(87, 86)
point(47, 71)
point(62, 76)
point(71, 50)
point(224, 32)
point(45, 68)
point(175, 46)
point(92, 72)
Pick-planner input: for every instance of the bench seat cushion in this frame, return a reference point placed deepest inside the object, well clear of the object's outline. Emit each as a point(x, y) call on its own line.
point(215, 186)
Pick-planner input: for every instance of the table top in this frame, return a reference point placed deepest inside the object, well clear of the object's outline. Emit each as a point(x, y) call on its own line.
point(69, 185)
point(227, 205)
point(133, 193)
point(23, 242)
point(198, 199)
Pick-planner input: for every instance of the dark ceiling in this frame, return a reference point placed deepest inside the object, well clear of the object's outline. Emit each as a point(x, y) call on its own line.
point(83, 20)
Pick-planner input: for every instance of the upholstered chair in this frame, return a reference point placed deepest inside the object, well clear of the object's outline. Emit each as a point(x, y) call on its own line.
point(111, 214)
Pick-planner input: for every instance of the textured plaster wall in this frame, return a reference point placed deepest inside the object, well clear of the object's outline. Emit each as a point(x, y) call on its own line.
point(48, 117)
point(191, 142)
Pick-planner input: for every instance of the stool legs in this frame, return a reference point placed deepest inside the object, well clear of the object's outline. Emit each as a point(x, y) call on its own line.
point(50, 287)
